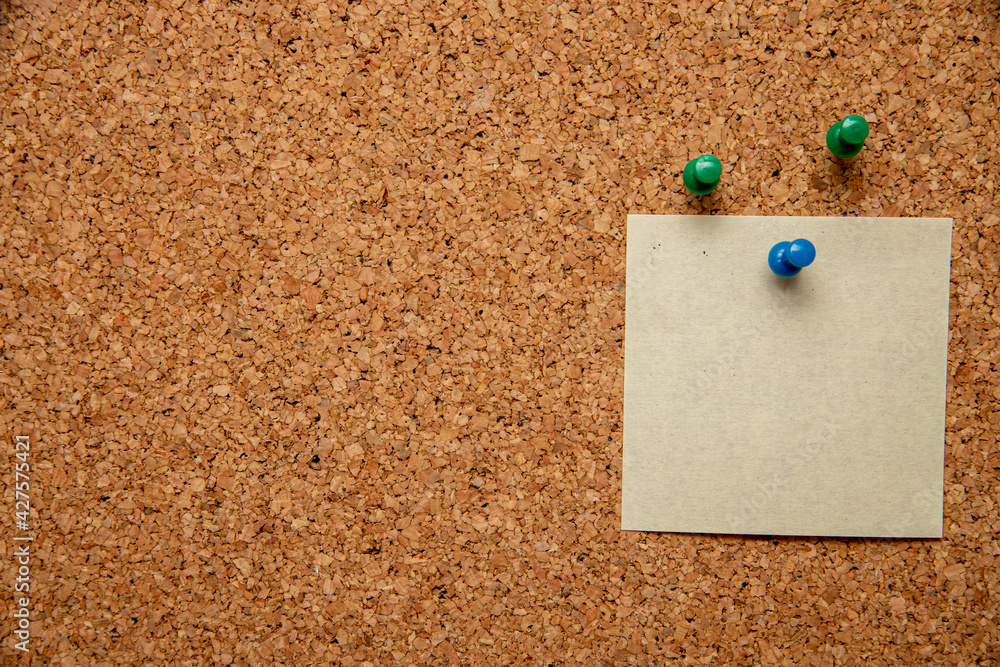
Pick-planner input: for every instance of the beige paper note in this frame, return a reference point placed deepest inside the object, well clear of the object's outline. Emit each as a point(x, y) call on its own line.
point(812, 405)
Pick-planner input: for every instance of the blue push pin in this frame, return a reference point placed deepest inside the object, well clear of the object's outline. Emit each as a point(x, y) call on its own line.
point(787, 259)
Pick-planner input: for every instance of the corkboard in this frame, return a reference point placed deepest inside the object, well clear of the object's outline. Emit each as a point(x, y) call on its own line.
point(314, 315)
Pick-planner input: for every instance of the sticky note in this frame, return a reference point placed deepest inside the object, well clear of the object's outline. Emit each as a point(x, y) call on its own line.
point(761, 405)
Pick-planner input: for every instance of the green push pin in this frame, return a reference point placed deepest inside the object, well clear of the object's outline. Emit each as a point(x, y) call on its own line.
point(701, 175)
point(846, 138)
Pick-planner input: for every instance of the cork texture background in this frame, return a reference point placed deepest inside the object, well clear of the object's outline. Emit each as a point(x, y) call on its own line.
point(313, 314)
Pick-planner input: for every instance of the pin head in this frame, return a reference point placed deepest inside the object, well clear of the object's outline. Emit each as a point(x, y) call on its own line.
point(786, 259)
point(702, 174)
point(854, 130)
point(800, 253)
